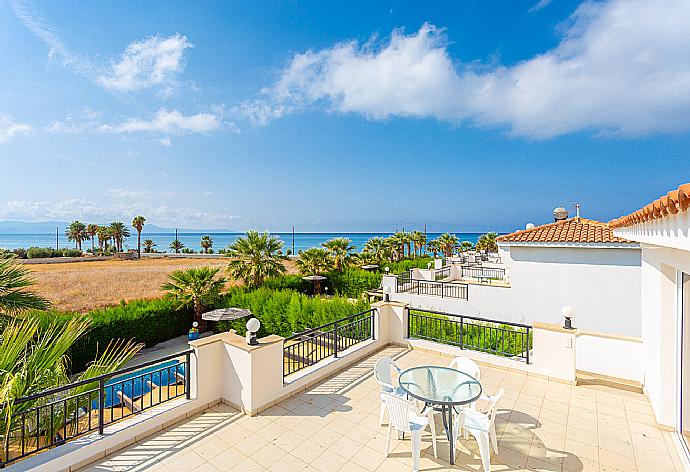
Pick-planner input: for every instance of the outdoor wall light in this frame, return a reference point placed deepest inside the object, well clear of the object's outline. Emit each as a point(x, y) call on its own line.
point(253, 326)
point(387, 294)
point(568, 312)
point(386, 269)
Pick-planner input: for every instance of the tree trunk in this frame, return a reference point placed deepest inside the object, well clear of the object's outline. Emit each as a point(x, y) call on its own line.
point(138, 244)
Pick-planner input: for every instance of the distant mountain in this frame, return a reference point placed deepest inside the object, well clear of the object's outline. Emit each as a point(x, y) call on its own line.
point(44, 227)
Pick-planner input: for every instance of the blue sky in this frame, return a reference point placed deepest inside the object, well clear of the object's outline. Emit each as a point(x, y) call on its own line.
point(358, 116)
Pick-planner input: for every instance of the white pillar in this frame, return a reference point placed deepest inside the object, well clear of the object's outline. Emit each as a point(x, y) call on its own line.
point(554, 351)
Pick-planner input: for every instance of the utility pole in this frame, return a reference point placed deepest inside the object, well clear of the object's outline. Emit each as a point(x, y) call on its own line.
point(293, 240)
point(57, 242)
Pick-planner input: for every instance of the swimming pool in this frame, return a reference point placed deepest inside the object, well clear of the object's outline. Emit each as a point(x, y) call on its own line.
point(135, 384)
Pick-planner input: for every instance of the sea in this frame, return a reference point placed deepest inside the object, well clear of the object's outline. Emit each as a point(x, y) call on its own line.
point(299, 242)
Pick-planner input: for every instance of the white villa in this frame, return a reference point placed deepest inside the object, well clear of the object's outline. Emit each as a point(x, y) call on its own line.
point(610, 394)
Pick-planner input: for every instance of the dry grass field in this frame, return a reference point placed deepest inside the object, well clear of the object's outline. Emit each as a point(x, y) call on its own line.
point(83, 286)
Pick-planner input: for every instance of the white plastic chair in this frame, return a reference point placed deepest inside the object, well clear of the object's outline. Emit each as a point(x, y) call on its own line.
point(403, 416)
point(466, 365)
point(383, 375)
point(482, 426)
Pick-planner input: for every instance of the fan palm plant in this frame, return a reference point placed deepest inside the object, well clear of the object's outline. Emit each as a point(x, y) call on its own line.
point(376, 246)
point(419, 241)
point(119, 232)
point(434, 247)
point(314, 261)
point(195, 288)
point(103, 237)
point(448, 242)
point(14, 293)
point(255, 257)
point(487, 242)
point(76, 232)
point(206, 243)
point(176, 246)
point(138, 224)
point(92, 231)
point(34, 359)
point(149, 245)
point(340, 250)
point(466, 246)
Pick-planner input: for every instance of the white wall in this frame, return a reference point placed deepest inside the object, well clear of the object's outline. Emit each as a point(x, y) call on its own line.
point(603, 285)
point(620, 358)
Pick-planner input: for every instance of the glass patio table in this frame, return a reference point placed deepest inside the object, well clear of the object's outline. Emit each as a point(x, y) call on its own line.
point(443, 387)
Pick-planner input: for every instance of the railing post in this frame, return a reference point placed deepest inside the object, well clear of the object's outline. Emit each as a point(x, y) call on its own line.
point(335, 339)
point(101, 405)
point(527, 358)
point(462, 333)
point(188, 374)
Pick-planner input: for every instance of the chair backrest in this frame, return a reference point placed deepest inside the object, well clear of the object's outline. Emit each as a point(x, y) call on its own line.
point(468, 366)
point(493, 401)
point(382, 373)
point(399, 409)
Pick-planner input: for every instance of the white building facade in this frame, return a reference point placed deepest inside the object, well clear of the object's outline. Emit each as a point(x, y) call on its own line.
point(663, 230)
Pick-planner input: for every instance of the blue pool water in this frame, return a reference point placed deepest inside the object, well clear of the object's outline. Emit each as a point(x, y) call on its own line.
point(134, 384)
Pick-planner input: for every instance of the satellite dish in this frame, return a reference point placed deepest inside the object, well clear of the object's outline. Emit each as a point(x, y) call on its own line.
point(529, 226)
point(560, 213)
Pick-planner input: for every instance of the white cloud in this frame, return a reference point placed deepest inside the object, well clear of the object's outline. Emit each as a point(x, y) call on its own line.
point(167, 142)
point(124, 193)
point(621, 67)
point(167, 121)
point(10, 128)
point(35, 23)
point(88, 211)
point(539, 5)
point(152, 62)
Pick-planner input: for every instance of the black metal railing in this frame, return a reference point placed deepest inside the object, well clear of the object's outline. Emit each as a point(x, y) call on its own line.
point(502, 338)
point(50, 418)
point(305, 349)
point(430, 287)
point(442, 273)
point(484, 273)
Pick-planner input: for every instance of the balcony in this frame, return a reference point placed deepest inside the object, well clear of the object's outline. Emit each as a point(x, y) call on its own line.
point(542, 425)
point(310, 402)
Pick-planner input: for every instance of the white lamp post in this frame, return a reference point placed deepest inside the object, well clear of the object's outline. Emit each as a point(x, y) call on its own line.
point(568, 312)
point(253, 326)
point(387, 294)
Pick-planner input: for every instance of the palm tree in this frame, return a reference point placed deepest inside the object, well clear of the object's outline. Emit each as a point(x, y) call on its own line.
point(103, 237)
point(176, 246)
point(418, 240)
point(466, 246)
point(195, 288)
point(487, 242)
point(76, 232)
point(365, 258)
point(434, 247)
point(206, 243)
point(398, 242)
point(138, 224)
point(377, 247)
point(34, 359)
point(448, 242)
point(314, 261)
point(340, 250)
point(14, 282)
point(149, 245)
point(119, 232)
point(92, 231)
point(255, 257)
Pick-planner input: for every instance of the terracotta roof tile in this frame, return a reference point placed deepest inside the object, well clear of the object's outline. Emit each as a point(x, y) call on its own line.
point(572, 230)
point(673, 202)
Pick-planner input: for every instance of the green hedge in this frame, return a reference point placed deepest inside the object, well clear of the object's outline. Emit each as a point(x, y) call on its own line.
point(149, 322)
point(284, 312)
point(46, 252)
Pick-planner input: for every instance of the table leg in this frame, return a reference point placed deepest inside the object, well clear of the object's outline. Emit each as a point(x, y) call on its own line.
point(448, 426)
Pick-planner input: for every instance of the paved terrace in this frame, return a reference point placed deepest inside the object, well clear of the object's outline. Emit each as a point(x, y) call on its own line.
point(542, 426)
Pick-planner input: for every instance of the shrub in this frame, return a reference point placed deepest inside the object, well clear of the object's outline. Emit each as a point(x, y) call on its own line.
point(72, 253)
point(144, 321)
point(188, 250)
point(353, 282)
point(284, 312)
point(20, 252)
point(39, 252)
